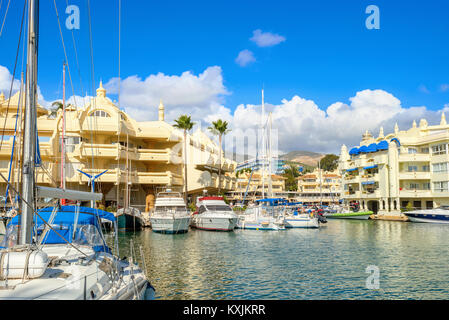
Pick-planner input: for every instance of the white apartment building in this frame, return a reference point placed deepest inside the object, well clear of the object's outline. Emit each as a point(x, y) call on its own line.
point(386, 173)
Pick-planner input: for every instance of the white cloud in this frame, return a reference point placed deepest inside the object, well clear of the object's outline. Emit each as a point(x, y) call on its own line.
point(266, 39)
point(302, 125)
point(5, 86)
point(197, 95)
point(5, 81)
point(245, 57)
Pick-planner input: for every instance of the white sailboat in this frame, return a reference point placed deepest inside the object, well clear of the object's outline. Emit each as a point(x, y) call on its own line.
point(257, 218)
point(170, 213)
point(59, 253)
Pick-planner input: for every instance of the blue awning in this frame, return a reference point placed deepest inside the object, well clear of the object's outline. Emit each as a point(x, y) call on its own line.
point(354, 151)
point(363, 149)
point(370, 167)
point(368, 182)
point(349, 170)
point(396, 140)
point(383, 145)
point(372, 147)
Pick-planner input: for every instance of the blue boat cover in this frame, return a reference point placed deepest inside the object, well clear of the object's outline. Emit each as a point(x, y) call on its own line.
point(368, 182)
point(349, 170)
point(65, 220)
point(371, 167)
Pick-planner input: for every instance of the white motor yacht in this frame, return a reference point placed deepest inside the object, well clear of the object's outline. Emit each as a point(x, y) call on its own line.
point(214, 214)
point(170, 213)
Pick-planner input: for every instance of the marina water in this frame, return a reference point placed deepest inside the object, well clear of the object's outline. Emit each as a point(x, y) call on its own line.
point(326, 263)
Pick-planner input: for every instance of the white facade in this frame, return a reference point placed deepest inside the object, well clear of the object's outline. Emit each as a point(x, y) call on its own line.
point(404, 168)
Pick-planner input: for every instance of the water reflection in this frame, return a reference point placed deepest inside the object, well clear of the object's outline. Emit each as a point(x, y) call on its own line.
point(328, 263)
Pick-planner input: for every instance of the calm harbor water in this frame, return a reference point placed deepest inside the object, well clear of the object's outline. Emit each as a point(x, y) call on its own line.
point(329, 263)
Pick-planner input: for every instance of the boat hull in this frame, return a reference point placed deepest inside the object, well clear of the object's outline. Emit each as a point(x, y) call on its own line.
point(428, 218)
point(126, 222)
point(259, 225)
point(170, 225)
point(349, 215)
point(215, 223)
point(301, 223)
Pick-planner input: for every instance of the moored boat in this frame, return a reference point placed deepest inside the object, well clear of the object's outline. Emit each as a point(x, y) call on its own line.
point(256, 218)
point(214, 214)
point(129, 219)
point(170, 213)
point(437, 215)
point(70, 260)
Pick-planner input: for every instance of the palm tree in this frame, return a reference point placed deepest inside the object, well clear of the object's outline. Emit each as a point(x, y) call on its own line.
point(219, 128)
point(184, 123)
point(56, 106)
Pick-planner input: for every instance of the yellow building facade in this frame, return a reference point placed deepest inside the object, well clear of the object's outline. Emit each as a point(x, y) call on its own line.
point(319, 187)
point(146, 156)
point(255, 188)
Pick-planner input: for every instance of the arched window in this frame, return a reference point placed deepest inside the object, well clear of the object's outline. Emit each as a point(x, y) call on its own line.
point(100, 113)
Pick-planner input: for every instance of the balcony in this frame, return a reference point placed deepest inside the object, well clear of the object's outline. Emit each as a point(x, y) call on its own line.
point(101, 125)
point(167, 178)
point(414, 157)
point(112, 151)
point(351, 194)
point(370, 193)
point(415, 193)
point(414, 175)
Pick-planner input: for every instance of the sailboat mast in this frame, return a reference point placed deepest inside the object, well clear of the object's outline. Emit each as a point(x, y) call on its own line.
point(63, 134)
point(29, 143)
point(270, 182)
point(321, 183)
point(262, 126)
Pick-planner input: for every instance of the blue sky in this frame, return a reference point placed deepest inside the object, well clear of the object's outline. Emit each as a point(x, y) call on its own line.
point(328, 54)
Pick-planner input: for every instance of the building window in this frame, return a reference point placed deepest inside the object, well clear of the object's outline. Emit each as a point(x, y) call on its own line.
point(100, 113)
point(414, 186)
point(440, 167)
point(426, 186)
point(439, 149)
point(426, 168)
point(440, 186)
point(70, 143)
point(412, 168)
point(425, 150)
point(412, 150)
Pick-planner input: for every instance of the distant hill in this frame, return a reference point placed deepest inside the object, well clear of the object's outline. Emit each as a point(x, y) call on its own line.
point(305, 157)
